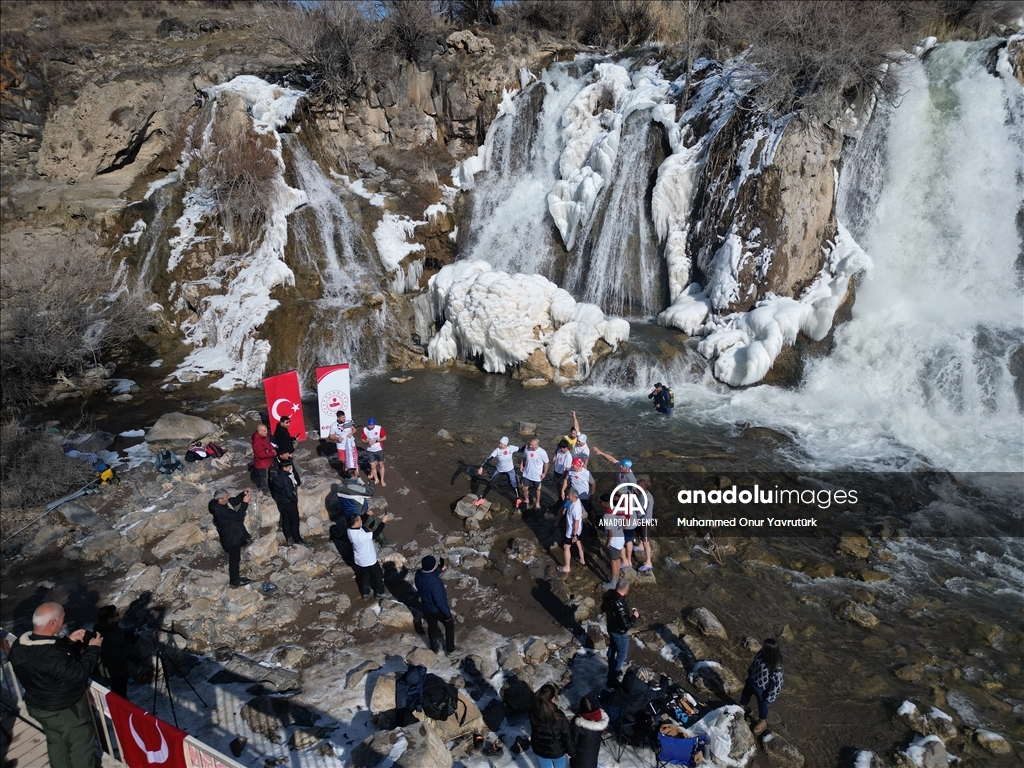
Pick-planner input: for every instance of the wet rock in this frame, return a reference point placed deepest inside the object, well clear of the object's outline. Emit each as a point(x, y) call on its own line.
point(753, 554)
point(181, 428)
point(414, 746)
point(708, 624)
point(367, 618)
point(872, 577)
point(184, 538)
point(992, 742)
point(527, 428)
point(80, 516)
point(508, 657)
point(344, 603)
point(712, 677)
point(857, 614)
point(444, 434)
point(269, 715)
point(910, 673)
point(45, 536)
point(466, 510)
point(781, 753)
point(582, 607)
point(853, 544)
point(767, 436)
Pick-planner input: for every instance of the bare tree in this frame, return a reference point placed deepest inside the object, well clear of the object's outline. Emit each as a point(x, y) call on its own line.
point(410, 27)
point(469, 12)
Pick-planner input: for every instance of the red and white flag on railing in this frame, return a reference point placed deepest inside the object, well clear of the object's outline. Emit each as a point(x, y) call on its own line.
point(283, 399)
point(145, 740)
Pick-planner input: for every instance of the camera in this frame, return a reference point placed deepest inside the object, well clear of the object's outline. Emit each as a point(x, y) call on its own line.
point(441, 564)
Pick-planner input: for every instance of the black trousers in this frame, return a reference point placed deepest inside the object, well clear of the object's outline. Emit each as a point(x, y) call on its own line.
point(234, 561)
point(289, 520)
point(434, 631)
point(367, 576)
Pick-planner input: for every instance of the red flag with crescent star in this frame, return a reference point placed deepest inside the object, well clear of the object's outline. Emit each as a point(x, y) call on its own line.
point(145, 740)
point(283, 399)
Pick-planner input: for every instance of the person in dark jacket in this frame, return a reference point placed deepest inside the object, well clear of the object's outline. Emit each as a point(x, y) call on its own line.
point(229, 517)
point(263, 455)
point(284, 489)
point(55, 677)
point(588, 729)
point(550, 736)
point(764, 680)
point(662, 397)
point(117, 645)
point(434, 597)
point(635, 693)
point(283, 438)
point(620, 619)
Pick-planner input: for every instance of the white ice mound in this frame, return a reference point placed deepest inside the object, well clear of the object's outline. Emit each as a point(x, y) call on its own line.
point(744, 346)
point(504, 318)
point(591, 126)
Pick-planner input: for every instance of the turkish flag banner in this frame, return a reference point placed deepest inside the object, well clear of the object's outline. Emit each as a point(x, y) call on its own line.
point(333, 391)
point(283, 399)
point(144, 739)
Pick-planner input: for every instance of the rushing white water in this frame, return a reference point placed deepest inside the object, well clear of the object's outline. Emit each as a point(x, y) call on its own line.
point(922, 372)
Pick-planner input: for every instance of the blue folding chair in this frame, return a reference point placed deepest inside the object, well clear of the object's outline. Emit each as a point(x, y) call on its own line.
point(672, 750)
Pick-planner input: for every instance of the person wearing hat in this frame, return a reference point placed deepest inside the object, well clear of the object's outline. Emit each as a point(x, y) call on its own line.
point(623, 466)
point(434, 598)
point(581, 450)
point(229, 518)
point(588, 729)
point(503, 453)
point(662, 397)
point(374, 437)
point(114, 652)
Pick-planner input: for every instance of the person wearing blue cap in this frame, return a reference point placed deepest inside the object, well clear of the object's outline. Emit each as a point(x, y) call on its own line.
point(624, 466)
point(374, 437)
point(434, 598)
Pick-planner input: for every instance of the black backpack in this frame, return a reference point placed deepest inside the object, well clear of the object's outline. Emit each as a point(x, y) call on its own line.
point(440, 699)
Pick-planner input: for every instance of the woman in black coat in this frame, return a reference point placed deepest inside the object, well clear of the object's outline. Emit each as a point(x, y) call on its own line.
point(588, 728)
point(550, 736)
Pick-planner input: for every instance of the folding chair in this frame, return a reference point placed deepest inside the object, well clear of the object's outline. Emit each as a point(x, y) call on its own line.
point(672, 750)
point(624, 733)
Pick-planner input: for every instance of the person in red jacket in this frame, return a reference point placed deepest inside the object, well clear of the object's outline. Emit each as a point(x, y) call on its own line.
point(264, 453)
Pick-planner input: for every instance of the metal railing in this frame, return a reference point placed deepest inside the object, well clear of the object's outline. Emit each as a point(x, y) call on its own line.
point(197, 754)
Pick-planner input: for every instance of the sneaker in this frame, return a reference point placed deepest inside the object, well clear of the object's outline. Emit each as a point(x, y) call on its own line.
point(379, 595)
point(478, 502)
point(519, 503)
point(625, 567)
point(366, 596)
point(646, 569)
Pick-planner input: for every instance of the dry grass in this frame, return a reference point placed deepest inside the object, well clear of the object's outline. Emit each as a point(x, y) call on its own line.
point(34, 469)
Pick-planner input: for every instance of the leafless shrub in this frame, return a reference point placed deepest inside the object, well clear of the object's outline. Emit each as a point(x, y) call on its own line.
point(619, 23)
point(560, 17)
point(466, 13)
point(59, 312)
point(337, 42)
point(34, 468)
point(410, 28)
point(814, 56)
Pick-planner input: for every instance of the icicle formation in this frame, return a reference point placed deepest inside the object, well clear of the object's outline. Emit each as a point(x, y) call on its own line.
point(224, 335)
point(506, 318)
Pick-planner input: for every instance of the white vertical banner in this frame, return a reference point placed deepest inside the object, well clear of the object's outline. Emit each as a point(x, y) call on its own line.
point(333, 395)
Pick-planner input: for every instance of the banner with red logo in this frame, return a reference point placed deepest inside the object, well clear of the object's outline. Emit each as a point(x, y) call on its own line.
point(283, 399)
point(145, 740)
point(333, 395)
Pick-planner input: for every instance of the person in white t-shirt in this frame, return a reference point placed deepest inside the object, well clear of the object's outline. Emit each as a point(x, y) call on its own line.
point(579, 477)
point(364, 555)
point(534, 468)
point(374, 437)
point(615, 539)
point(581, 450)
point(573, 528)
point(342, 434)
point(503, 453)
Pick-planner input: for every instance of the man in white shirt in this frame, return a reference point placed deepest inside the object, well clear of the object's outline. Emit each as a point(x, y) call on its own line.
point(503, 453)
point(573, 527)
point(534, 468)
point(374, 437)
point(579, 477)
point(364, 555)
point(581, 450)
point(615, 539)
point(342, 433)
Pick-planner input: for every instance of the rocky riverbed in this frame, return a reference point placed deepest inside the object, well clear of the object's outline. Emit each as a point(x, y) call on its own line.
point(870, 664)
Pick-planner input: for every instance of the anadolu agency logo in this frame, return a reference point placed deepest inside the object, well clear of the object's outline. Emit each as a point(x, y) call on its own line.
point(627, 501)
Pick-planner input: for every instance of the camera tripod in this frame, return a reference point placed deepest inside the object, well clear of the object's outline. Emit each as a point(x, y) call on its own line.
point(161, 660)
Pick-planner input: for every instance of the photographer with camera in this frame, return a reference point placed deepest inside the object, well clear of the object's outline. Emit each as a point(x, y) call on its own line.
point(55, 674)
point(229, 517)
point(620, 619)
point(434, 597)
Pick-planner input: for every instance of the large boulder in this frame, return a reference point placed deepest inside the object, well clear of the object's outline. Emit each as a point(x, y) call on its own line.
point(180, 428)
point(186, 537)
point(467, 719)
point(707, 623)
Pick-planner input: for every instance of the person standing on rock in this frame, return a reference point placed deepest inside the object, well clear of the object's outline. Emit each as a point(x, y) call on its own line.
point(55, 677)
point(579, 478)
point(434, 597)
point(503, 453)
point(614, 539)
point(643, 538)
point(364, 554)
point(588, 729)
point(284, 489)
point(229, 517)
point(573, 526)
point(534, 468)
point(374, 437)
point(620, 620)
point(624, 467)
point(764, 680)
point(550, 736)
point(342, 433)
point(581, 450)
point(573, 433)
point(264, 453)
point(283, 438)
